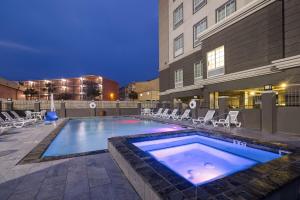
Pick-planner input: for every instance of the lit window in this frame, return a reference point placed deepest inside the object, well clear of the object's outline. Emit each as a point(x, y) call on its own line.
point(225, 10)
point(178, 16)
point(198, 29)
point(198, 4)
point(198, 71)
point(216, 62)
point(178, 46)
point(178, 78)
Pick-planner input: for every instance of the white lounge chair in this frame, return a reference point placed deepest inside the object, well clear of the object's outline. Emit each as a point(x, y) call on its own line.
point(184, 116)
point(17, 123)
point(158, 113)
point(42, 115)
point(230, 119)
point(17, 117)
point(146, 112)
point(206, 119)
point(28, 114)
point(164, 114)
point(172, 115)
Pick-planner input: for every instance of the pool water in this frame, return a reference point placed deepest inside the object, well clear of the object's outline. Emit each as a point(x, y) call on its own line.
point(91, 134)
point(202, 159)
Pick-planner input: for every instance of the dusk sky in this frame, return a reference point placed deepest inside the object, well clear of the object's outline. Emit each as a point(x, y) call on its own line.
point(44, 39)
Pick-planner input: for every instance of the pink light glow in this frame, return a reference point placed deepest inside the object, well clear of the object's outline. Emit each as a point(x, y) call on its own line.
point(167, 129)
point(129, 121)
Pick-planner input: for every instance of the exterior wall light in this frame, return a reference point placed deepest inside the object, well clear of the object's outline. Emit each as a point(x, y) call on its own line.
point(112, 96)
point(283, 85)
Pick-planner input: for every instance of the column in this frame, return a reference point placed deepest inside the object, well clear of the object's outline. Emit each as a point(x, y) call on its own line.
point(223, 106)
point(37, 106)
point(269, 112)
point(9, 105)
point(63, 112)
point(118, 109)
point(139, 107)
point(195, 112)
point(178, 105)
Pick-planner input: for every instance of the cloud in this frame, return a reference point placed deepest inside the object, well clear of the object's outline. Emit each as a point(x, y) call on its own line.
point(20, 47)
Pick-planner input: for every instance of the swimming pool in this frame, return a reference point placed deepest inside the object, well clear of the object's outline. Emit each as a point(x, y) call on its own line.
point(91, 134)
point(201, 159)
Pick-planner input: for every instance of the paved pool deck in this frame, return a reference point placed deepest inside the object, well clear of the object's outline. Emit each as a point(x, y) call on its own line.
point(86, 177)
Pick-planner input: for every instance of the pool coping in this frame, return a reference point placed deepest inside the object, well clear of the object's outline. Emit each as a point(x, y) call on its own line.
point(153, 180)
point(35, 155)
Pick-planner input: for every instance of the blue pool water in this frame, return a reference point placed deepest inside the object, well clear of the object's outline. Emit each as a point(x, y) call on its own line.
point(85, 135)
point(202, 159)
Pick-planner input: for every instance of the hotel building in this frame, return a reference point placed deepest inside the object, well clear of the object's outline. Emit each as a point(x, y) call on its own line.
point(11, 90)
point(146, 90)
point(233, 48)
point(76, 88)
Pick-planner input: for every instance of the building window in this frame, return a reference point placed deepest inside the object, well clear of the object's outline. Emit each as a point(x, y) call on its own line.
point(178, 46)
point(216, 62)
point(178, 16)
point(198, 29)
point(198, 72)
point(198, 4)
point(178, 78)
point(225, 10)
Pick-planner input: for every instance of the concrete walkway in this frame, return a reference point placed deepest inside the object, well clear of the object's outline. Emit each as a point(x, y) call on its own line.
point(87, 177)
point(290, 139)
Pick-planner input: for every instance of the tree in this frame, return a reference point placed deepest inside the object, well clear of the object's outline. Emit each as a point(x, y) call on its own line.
point(92, 90)
point(29, 92)
point(50, 88)
point(133, 95)
point(65, 96)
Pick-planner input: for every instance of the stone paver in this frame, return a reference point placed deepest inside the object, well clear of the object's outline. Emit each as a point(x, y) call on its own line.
point(87, 177)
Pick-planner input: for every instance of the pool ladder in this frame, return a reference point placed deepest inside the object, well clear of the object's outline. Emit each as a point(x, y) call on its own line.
point(240, 143)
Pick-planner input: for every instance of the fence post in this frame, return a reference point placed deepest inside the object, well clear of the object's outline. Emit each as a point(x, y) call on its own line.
point(63, 112)
point(139, 105)
point(223, 106)
point(269, 112)
point(9, 104)
point(0, 105)
point(37, 106)
point(118, 110)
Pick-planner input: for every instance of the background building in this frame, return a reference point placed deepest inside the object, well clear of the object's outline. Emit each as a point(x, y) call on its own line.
point(145, 91)
point(11, 90)
point(232, 48)
point(80, 88)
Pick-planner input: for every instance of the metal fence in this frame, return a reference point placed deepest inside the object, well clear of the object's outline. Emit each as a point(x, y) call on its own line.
point(45, 104)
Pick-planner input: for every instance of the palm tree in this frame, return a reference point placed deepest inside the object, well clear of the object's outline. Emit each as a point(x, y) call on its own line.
point(50, 89)
point(29, 92)
point(92, 90)
point(133, 95)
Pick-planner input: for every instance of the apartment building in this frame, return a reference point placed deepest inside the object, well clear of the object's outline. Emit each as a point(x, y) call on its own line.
point(146, 90)
point(233, 48)
point(76, 88)
point(11, 90)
